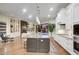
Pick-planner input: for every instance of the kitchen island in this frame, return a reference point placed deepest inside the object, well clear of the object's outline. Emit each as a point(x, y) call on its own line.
point(38, 43)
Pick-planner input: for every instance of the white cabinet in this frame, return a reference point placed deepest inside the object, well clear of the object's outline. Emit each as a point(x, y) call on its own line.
point(76, 12)
point(66, 43)
point(65, 16)
point(61, 16)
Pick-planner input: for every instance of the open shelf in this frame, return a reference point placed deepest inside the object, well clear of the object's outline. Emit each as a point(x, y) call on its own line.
point(2, 27)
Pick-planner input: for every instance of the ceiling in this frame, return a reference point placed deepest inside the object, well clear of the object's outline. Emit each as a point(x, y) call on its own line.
point(34, 9)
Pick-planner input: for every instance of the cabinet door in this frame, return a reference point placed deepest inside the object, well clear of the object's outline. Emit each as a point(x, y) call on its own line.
point(44, 44)
point(31, 44)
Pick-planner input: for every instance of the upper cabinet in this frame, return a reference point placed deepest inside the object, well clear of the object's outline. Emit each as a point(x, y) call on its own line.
point(61, 16)
point(65, 16)
point(76, 12)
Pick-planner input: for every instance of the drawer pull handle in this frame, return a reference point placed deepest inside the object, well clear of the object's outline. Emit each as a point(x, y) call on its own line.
point(42, 40)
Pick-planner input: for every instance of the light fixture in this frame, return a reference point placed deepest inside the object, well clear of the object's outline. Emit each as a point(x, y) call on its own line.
point(49, 16)
point(51, 9)
point(37, 20)
point(30, 16)
point(59, 15)
point(24, 10)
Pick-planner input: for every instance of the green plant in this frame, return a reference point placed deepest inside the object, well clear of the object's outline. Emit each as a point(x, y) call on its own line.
point(51, 28)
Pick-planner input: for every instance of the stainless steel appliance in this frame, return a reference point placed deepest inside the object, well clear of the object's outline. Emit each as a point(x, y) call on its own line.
point(76, 38)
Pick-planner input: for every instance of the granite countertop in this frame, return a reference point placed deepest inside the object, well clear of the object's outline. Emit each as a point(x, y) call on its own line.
point(37, 35)
point(45, 35)
point(66, 36)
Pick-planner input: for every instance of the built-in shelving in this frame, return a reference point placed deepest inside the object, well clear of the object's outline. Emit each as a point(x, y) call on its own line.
point(3, 27)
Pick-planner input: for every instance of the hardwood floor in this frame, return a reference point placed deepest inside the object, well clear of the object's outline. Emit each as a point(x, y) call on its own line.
point(17, 48)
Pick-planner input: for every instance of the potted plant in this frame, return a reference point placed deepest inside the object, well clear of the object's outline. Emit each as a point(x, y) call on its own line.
point(51, 28)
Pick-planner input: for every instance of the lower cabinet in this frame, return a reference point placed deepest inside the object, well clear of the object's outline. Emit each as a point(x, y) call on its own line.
point(31, 44)
point(66, 43)
point(38, 45)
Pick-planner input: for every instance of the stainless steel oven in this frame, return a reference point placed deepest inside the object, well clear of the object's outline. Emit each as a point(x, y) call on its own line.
point(76, 38)
point(76, 44)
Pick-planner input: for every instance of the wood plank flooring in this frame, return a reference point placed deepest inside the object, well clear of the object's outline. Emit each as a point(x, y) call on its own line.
point(17, 48)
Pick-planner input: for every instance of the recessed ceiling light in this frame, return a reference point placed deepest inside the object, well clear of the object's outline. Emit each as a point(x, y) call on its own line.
point(48, 15)
point(59, 15)
point(24, 10)
point(30, 16)
point(51, 9)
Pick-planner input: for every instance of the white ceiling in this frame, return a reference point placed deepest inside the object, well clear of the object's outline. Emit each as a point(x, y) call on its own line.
point(15, 10)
